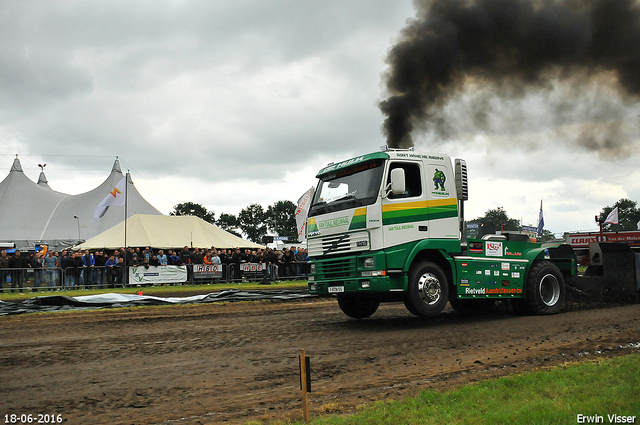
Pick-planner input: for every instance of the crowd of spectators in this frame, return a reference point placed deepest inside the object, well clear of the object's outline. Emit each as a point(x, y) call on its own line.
point(70, 269)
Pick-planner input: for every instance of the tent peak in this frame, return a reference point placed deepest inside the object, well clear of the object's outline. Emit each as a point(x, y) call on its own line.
point(116, 166)
point(16, 165)
point(42, 180)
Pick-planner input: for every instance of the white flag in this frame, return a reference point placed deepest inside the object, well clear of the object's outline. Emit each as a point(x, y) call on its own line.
point(612, 218)
point(301, 214)
point(115, 197)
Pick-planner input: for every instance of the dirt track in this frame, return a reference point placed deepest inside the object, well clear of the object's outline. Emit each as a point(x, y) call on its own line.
point(238, 361)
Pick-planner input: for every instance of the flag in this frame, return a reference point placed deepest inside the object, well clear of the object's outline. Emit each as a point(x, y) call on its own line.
point(612, 218)
point(540, 221)
point(301, 214)
point(115, 197)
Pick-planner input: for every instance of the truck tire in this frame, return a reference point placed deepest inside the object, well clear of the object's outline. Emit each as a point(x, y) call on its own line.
point(357, 306)
point(545, 290)
point(428, 290)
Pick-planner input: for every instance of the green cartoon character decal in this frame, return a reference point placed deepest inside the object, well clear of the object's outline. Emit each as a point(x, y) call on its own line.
point(439, 179)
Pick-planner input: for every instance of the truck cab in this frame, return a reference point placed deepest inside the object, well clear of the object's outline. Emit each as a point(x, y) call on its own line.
point(372, 214)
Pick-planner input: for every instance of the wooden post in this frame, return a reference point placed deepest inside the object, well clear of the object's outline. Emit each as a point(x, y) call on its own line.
point(304, 384)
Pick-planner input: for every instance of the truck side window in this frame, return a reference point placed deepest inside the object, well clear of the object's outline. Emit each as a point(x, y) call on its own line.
point(412, 178)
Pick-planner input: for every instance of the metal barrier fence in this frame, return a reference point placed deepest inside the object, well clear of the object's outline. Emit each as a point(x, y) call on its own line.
point(101, 277)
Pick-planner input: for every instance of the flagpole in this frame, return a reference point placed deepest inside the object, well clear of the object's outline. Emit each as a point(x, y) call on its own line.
point(125, 278)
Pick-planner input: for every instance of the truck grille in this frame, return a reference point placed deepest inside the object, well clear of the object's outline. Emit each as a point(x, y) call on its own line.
point(343, 268)
point(337, 244)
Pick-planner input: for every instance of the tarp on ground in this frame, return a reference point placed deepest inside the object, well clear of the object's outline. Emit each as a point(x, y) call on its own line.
point(166, 232)
point(114, 300)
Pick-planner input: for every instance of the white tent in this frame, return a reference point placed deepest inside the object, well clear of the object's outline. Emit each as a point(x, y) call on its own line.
point(166, 232)
point(32, 213)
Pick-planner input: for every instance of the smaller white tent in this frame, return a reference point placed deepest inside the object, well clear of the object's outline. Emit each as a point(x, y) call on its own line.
point(166, 232)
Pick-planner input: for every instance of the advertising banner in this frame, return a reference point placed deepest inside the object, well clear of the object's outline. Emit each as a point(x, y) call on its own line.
point(582, 240)
point(251, 267)
point(301, 214)
point(207, 271)
point(157, 275)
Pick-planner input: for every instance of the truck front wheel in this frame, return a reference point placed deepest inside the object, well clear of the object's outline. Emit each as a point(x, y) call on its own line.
point(357, 306)
point(545, 291)
point(428, 290)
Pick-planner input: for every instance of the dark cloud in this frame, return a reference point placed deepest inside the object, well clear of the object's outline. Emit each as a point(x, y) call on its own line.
point(512, 48)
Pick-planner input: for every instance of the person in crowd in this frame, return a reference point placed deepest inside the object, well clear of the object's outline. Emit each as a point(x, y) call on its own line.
point(4, 269)
point(222, 255)
point(154, 261)
point(215, 258)
point(120, 273)
point(301, 260)
point(88, 277)
point(110, 270)
point(35, 262)
point(238, 258)
point(185, 256)
point(77, 260)
point(197, 257)
point(288, 259)
point(173, 259)
point(271, 262)
point(65, 263)
point(279, 264)
point(50, 264)
point(162, 258)
point(252, 257)
point(130, 253)
point(100, 261)
point(185, 260)
point(147, 253)
point(19, 264)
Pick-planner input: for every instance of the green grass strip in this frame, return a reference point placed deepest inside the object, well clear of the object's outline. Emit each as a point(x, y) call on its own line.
point(594, 389)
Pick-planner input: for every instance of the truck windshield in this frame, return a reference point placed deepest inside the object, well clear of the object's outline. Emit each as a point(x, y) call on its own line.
point(350, 187)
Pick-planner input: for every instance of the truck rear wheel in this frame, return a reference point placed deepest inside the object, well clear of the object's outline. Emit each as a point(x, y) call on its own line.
point(545, 291)
point(428, 290)
point(357, 306)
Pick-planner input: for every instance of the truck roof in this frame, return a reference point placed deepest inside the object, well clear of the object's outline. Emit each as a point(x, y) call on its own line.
point(399, 153)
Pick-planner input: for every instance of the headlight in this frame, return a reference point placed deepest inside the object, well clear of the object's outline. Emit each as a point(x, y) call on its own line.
point(312, 268)
point(368, 263)
point(373, 273)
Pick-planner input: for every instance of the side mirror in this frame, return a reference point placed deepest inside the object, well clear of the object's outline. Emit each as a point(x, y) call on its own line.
point(397, 181)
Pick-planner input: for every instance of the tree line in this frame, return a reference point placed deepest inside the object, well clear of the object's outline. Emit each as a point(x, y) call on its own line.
point(254, 221)
point(279, 219)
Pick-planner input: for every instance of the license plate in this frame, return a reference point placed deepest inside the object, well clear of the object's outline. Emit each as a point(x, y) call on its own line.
point(334, 289)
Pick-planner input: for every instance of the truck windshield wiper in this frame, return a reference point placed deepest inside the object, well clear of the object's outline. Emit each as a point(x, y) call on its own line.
point(347, 197)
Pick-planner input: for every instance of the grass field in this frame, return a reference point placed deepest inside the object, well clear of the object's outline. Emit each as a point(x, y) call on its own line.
point(597, 390)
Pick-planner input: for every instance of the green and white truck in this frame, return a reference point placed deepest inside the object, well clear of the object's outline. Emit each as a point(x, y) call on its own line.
point(387, 226)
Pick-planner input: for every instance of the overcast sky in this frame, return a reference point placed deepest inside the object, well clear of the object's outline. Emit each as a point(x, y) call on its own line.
point(229, 103)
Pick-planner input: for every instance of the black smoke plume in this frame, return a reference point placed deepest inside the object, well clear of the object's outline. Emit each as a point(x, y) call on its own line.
point(514, 46)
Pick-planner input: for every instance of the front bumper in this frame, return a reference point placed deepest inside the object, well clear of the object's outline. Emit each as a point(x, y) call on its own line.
point(353, 274)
